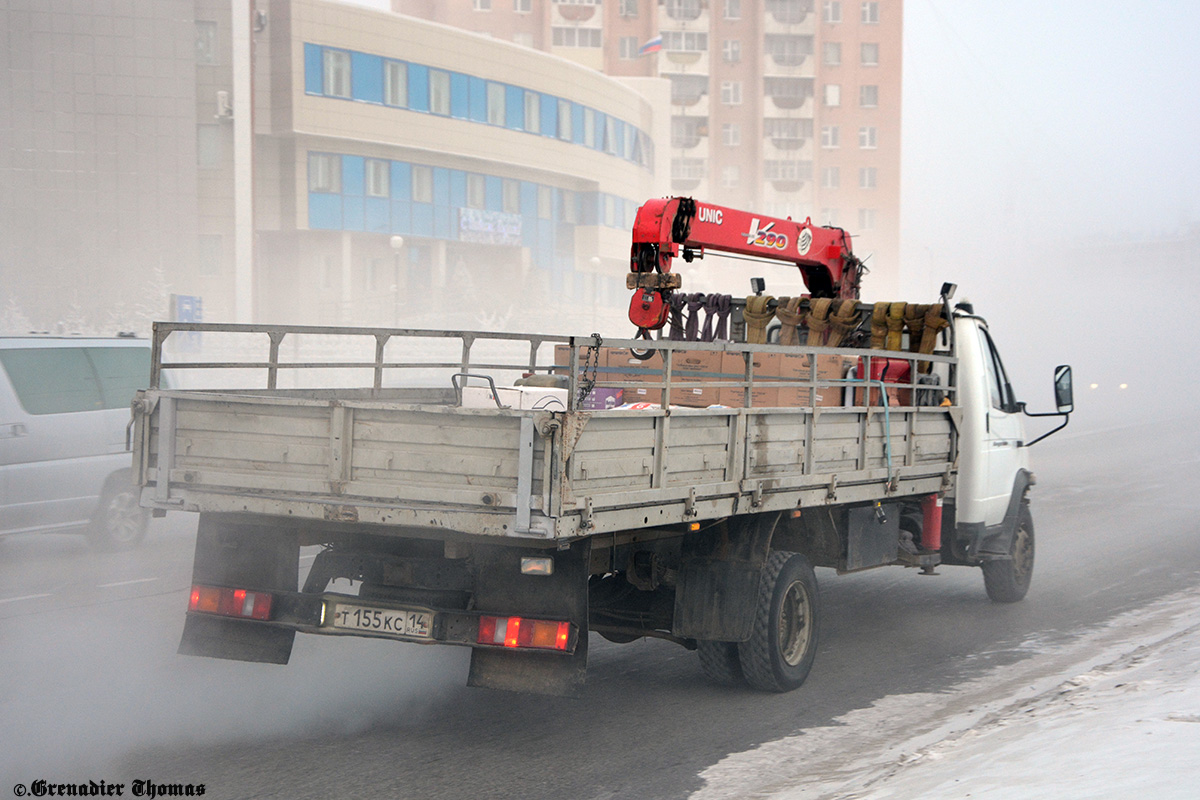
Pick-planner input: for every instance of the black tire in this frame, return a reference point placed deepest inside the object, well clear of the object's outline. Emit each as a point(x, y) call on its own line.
point(1008, 581)
point(781, 649)
point(721, 663)
point(119, 522)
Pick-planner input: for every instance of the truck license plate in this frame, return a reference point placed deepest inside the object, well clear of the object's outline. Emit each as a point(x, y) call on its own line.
point(384, 621)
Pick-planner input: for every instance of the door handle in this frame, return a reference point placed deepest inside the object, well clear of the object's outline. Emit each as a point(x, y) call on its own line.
point(13, 430)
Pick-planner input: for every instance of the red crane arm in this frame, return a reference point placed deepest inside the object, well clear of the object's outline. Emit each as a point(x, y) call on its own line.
point(667, 228)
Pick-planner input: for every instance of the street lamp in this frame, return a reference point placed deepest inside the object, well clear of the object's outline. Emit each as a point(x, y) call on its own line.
point(397, 243)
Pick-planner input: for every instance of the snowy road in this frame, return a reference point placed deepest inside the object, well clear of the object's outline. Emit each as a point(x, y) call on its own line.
point(93, 690)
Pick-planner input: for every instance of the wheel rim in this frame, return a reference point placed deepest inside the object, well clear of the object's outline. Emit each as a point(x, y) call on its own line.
point(123, 518)
point(795, 630)
point(1022, 553)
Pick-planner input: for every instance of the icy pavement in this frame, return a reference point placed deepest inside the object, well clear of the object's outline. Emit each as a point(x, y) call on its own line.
point(1114, 713)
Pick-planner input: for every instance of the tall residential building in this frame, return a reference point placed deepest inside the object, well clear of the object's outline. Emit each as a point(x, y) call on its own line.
point(789, 107)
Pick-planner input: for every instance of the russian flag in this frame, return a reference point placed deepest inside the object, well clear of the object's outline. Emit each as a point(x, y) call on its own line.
point(652, 46)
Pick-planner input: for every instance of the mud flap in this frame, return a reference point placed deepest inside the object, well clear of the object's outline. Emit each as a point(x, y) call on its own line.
point(261, 557)
point(718, 581)
point(501, 588)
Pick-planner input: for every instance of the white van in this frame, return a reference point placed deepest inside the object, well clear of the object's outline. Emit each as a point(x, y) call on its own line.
point(64, 410)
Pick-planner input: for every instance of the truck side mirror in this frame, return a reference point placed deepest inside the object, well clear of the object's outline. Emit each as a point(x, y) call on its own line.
point(1064, 397)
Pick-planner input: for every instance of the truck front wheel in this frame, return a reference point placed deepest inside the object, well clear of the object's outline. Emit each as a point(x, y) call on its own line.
point(1008, 580)
point(781, 649)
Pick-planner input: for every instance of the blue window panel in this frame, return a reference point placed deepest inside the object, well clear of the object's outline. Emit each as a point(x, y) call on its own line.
point(441, 186)
point(401, 180)
point(422, 219)
point(378, 216)
point(601, 120)
point(529, 199)
point(460, 96)
point(549, 107)
point(494, 192)
point(514, 108)
point(366, 77)
point(478, 102)
point(353, 213)
point(545, 240)
point(352, 175)
point(577, 123)
point(442, 226)
point(324, 211)
point(401, 217)
point(458, 188)
point(314, 69)
point(620, 133)
point(418, 87)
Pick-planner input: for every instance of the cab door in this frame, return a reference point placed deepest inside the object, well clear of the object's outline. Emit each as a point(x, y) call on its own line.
point(1004, 433)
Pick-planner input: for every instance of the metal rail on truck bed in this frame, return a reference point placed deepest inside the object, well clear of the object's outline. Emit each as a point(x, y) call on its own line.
point(396, 449)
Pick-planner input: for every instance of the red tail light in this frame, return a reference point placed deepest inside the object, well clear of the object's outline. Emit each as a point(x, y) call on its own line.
point(540, 634)
point(230, 602)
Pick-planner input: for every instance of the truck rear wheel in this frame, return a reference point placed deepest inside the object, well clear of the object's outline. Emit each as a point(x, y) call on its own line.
point(783, 644)
point(720, 662)
point(1008, 581)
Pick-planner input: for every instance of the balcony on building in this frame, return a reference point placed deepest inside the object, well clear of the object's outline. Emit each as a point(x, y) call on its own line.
point(684, 10)
point(687, 90)
point(576, 10)
point(788, 93)
point(686, 132)
point(789, 12)
point(788, 133)
point(787, 50)
point(787, 175)
point(686, 173)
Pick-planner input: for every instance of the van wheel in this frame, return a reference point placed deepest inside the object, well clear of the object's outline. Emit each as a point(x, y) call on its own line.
point(781, 649)
point(1008, 581)
point(119, 522)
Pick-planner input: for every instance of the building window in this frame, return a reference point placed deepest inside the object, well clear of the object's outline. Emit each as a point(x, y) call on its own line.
point(210, 146)
point(495, 104)
point(832, 13)
point(337, 73)
point(787, 170)
point(687, 169)
point(730, 177)
point(395, 83)
point(866, 219)
point(831, 178)
point(866, 138)
point(575, 37)
point(833, 95)
point(731, 50)
point(731, 93)
point(870, 13)
point(476, 190)
point(869, 53)
point(733, 9)
point(324, 173)
point(422, 184)
point(206, 42)
point(831, 54)
point(589, 127)
point(533, 112)
point(866, 177)
point(545, 202)
point(685, 41)
point(868, 96)
point(628, 47)
point(683, 9)
point(511, 191)
point(628, 8)
point(686, 131)
point(522, 6)
point(439, 92)
point(610, 135)
point(564, 120)
point(829, 136)
point(483, 5)
point(731, 134)
point(377, 177)
point(523, 38)
point(830, 217)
